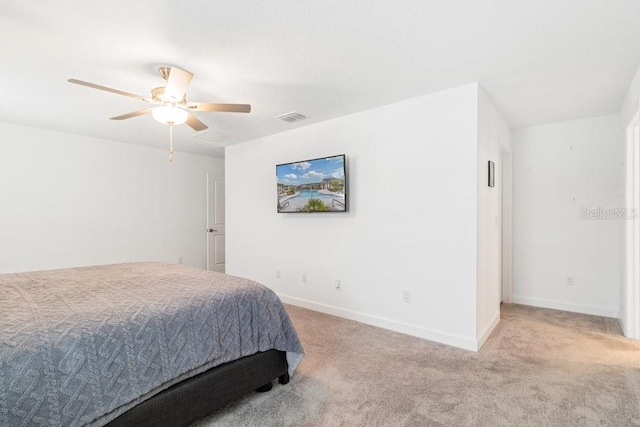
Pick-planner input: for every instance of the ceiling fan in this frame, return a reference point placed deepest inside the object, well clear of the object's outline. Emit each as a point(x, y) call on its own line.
point(171, 105)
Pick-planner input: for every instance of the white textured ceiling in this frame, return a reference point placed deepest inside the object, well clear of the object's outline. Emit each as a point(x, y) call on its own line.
point(541, 61)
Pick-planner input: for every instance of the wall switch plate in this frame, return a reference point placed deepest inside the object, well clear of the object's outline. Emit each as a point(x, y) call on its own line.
point(304, 277)
point(571, 281)
point(278, 274)
point(337, 283)
point(179, 260)
point(406, 295)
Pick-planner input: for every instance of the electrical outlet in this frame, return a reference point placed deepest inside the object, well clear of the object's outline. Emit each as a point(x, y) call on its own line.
point(571, 281)
point(304, 277)
point(337, 283)
point(179, 260)
point(278, 274)
point(406, 295)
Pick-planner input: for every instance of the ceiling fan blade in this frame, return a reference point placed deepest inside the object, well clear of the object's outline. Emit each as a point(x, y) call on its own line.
point(108, 89)
point(195, 124)
point(177, 83)
point(134, 114)
point(210, 106)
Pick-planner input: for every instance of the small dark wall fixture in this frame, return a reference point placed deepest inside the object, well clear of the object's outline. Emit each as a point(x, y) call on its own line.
point(492, 174)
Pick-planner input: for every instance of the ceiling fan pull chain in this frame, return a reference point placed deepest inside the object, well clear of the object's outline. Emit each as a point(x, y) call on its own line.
point(170, 142)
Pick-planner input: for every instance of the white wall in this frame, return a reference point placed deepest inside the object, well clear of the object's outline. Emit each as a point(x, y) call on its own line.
point(494, 139)
point(559, 169)
point(69, 200)
point(411, 222)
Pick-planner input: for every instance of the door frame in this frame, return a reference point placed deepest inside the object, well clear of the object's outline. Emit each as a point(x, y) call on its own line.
point(631, 297)
point(507, 226)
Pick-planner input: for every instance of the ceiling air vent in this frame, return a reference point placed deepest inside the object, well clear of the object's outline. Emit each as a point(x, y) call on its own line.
point(292, 117)
point(207, 135)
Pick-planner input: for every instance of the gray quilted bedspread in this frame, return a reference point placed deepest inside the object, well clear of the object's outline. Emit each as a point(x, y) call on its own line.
point(80, 346)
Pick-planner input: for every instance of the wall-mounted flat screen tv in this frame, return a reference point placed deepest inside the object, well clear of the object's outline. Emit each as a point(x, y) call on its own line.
point(316, 185)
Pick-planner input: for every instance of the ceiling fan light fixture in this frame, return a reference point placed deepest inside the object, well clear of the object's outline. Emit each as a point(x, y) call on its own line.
point(168, 114)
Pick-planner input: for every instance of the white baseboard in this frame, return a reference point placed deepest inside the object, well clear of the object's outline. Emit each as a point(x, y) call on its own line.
point(627, 329)
point(489, 329)
point(574, 308)
point(417, 331)
point(623, 327)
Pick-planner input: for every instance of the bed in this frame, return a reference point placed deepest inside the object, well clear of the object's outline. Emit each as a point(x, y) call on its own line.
point(133, 344)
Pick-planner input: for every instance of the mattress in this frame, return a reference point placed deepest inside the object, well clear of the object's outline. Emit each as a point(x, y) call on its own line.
point(81, 346)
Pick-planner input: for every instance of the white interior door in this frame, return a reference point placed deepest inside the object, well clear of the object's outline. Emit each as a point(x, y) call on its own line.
point(215, 222)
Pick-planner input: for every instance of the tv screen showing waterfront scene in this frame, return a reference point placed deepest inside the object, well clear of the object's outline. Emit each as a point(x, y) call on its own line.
point(316, 185)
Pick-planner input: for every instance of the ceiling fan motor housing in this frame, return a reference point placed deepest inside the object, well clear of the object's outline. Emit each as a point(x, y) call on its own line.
point(158, 95)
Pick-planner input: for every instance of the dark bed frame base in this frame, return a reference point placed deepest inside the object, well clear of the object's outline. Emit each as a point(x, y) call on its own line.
point(199, 396)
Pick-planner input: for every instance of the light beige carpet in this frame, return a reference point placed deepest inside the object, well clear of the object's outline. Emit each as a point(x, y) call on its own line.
point(539, 367)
